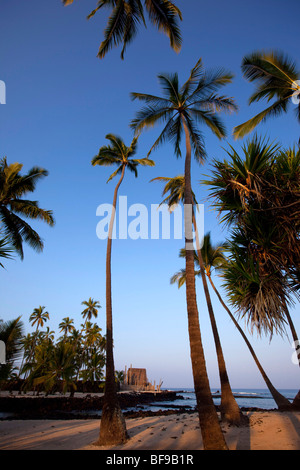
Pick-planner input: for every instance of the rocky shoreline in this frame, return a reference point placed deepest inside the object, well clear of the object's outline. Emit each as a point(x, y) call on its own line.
point(88, 406)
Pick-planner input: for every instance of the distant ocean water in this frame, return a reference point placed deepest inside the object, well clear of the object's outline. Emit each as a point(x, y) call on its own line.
point(256, 398)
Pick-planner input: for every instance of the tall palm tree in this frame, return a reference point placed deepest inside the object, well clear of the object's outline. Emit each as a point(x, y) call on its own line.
point(214, 259)
point(113, 428)
point(122, 25)
point(276, 78)
point(229, 408)
point(13, 187)
point(182, 108)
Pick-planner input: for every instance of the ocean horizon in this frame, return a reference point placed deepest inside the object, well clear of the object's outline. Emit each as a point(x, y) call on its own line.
point(245, 397)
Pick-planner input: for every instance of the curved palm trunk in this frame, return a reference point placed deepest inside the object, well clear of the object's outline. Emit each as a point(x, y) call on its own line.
point(229, 408)
point(112, 427)
point(212, 435)
point(282, 402)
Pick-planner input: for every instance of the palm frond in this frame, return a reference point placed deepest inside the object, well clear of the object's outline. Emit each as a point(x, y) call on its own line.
point(164, 14)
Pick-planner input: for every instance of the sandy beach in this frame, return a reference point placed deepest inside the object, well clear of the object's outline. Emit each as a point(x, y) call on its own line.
point(267, 430)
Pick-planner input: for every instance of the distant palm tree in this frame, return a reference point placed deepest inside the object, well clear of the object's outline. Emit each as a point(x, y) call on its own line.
point(66, 326)
point(126, 16)
point(113, 428)
point(13, 187)
point(257, 195)
point(229, 408)
point(276, 77)
point(5, 249)
point(181, 108)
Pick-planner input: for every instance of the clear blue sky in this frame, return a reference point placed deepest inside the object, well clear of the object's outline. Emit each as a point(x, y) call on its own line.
point(61, 102)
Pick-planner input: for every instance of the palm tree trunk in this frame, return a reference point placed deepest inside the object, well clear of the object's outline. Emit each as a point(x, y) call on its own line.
point(212, 435)
point(113, 427)
point(282, 402)
point(229, 408)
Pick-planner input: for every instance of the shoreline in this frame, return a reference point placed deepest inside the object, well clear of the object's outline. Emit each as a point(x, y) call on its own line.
point(15, 406)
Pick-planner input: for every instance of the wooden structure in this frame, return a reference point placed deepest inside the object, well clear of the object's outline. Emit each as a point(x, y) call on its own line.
point(136, 379)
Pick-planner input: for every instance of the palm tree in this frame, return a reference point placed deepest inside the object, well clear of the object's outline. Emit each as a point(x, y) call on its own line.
point(39, 317)
point(277, 78)
point(229, 408)
point(181, 108)
point(60, 367)
point(214, 259)
point(258, 197)
point(126, 16)
point(13, 187)
point(113, 428)
point(91, 309)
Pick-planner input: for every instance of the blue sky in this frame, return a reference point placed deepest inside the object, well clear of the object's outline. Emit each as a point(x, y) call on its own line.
point(61, 102)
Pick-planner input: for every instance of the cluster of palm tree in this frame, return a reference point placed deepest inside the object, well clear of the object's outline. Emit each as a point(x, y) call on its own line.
point(258, 196)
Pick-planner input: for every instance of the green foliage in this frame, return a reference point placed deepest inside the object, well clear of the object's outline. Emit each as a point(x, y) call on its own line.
point(5, 249)
point(56, 365)
point(11, 333)
point(126, 16)
point(276, 78)
point(257, 196)
point(13, 188)
point(117, 153)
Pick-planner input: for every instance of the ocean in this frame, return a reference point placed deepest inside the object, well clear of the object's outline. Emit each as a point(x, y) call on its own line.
point(256, 398)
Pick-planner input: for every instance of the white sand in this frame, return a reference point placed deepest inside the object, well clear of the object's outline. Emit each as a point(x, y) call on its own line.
point(267, 431)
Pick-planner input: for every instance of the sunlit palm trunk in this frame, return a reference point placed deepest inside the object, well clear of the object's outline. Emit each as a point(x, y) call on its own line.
point(210, 427)
point(112, 427)
point(280, 400)
point(229, 407)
